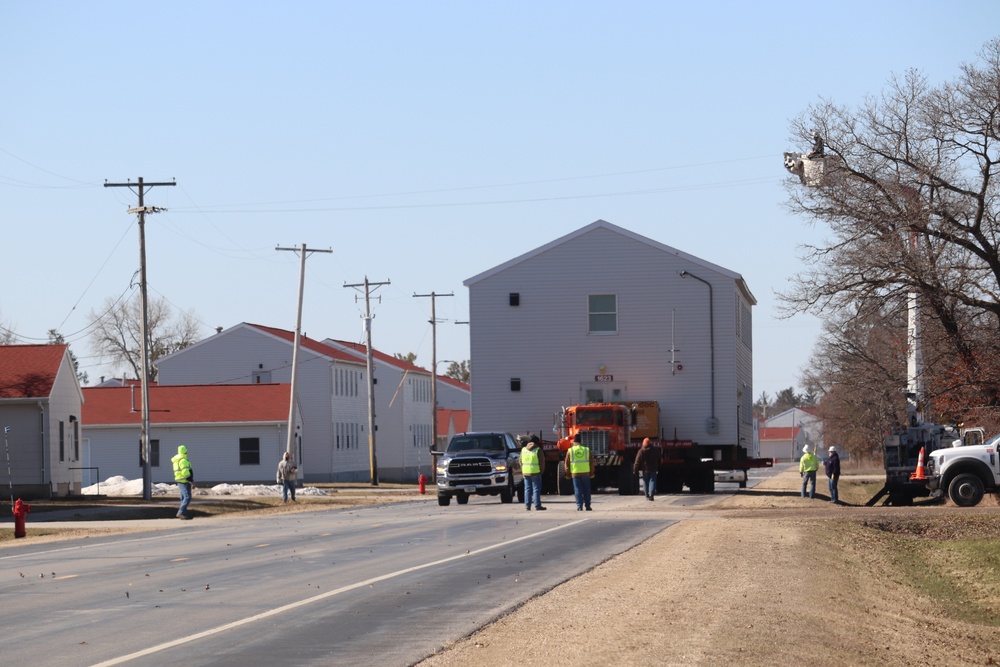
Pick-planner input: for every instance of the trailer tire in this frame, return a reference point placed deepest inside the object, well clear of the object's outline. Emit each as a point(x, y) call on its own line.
point(966, 490)
point(669, 482)
point(627, 484)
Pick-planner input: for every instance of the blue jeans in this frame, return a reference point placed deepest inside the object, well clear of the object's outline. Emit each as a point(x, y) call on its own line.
point(649, 483)
point(533, 490)
point(809, 476)
point(185, 489)
point(581, 491)
point(287, 486)
point(832, 482)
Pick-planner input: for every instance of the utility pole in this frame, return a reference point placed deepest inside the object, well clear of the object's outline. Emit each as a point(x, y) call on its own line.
point(140, 189)
point(370, 368)
point(434, 380)
point(303, 252)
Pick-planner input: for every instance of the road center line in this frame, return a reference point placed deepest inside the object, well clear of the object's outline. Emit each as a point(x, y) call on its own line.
point(302, 603)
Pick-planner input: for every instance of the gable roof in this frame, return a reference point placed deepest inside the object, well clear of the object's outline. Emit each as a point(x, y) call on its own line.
point(29, 371)
point(779, 433)
point(187, 404)
point(448, 417)
point(306, 342)
point(604, 224)
point(362, 350)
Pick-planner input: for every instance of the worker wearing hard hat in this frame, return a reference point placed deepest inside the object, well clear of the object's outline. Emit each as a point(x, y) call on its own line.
point(832, 466)
point(808, 465)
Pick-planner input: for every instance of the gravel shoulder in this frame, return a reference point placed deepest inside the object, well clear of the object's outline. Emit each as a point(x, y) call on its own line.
point(765, 578)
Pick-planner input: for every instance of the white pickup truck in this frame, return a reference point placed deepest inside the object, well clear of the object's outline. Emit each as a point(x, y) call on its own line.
point(964, 472)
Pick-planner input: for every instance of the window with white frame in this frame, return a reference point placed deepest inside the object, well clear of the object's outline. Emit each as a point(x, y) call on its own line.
point(602, 313)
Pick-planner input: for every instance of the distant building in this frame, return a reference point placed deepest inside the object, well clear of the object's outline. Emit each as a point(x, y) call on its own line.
point(333, 396)
point(40, 409)
point(782, 443)
point(450, 423)
point(805, 419)
point(235, 433)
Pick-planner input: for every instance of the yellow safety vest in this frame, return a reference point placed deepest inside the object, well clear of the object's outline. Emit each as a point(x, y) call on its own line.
point(529, 462)
point(182, 468)
point(579, 459)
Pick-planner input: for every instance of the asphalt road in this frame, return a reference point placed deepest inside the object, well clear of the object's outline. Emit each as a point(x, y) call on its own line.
point(386, 585)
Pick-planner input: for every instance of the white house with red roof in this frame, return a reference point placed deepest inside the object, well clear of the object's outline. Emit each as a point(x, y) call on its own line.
point(782, 443)
point(808, 431)
point(40, 410)
point(333, 394)
point(234, 433)
point(331, 388)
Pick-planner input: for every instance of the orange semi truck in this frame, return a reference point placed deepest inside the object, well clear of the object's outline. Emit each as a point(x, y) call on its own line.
point(614, 433)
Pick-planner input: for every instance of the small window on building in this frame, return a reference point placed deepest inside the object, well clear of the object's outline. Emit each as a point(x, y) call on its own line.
point(249, 451)
point(262, 377)
point(602, 311)
point(154, 453)
point(515, 384)
point(62, 441)
point(515, 298)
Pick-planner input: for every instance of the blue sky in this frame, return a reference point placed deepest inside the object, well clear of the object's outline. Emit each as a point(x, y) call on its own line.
point(423, 143)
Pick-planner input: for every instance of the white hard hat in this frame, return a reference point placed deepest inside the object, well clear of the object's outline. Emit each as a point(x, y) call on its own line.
point(805, 449)
point(832, 449)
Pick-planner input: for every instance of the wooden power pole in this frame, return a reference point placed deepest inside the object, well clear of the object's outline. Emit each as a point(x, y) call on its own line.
point(140, 189)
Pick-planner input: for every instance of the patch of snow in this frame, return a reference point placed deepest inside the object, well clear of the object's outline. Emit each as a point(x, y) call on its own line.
point(122, 486)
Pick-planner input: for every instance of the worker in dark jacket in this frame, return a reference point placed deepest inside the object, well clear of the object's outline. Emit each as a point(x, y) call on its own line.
point(832, 465)
point(647, 463)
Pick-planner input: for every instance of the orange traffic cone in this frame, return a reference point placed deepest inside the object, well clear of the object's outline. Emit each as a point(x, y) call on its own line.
point(920, 467)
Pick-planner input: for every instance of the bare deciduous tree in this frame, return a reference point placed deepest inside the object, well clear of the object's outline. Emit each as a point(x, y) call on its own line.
point(116, 335)
point(911, 202)
point(460, 370)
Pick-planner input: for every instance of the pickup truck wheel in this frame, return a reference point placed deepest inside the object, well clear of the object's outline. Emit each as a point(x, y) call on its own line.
point(520, 492)
point(444, 501)
point(966, 490)
point(462, 498)
point(507, 493)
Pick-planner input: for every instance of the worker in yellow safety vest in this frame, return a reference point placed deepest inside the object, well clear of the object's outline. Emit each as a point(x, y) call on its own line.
point(808, 465)
point(532, 467)
point(580, 467)
point(184, 476)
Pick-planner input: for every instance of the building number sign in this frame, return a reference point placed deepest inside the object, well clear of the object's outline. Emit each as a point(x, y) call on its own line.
point(604, 378)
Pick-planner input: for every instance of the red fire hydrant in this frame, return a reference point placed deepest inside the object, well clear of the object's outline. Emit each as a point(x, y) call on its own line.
point(21, 510)
point(422, 483)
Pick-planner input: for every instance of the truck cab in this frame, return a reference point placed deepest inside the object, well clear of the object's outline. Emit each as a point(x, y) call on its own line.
point(964, 472)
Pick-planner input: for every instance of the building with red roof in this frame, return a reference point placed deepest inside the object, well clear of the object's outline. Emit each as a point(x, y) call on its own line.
point(40, 406)
point(332, 387)
point(234, 432)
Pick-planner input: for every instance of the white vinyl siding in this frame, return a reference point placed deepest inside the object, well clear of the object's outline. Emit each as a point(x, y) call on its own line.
point(660, 317)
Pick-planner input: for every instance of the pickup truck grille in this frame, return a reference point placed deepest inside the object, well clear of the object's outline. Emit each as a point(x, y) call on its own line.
point(470, 466)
